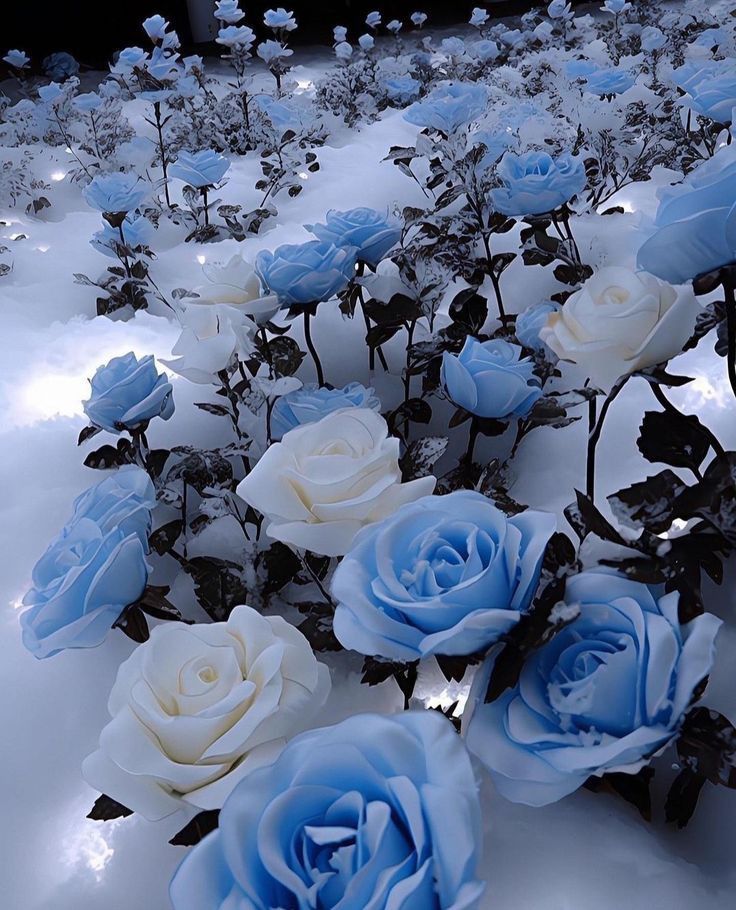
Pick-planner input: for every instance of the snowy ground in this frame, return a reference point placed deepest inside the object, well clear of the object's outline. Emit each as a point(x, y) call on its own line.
point(588, 852)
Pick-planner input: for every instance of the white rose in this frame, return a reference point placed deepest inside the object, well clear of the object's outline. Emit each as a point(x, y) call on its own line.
point(196, 708)
point(236, 284)
point(325, 480)
point(210, 337)
point(619, 322)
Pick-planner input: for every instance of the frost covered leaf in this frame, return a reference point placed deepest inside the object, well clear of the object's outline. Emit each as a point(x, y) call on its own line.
point(422, 455)
point(164, 538)
point(106, 809)
point(649, 503)
point(673, 438)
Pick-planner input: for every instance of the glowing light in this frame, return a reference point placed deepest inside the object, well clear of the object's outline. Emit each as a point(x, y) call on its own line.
point(58, 175)
point(304, 175)
point(304, 83)
point(54, 394)
point(43, 248)
point(86, 845)
point(201, 259)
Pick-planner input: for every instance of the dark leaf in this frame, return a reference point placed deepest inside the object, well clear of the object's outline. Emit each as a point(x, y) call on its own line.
point(421, 456)
point(164, 538)
point(107, 456)
point(469, 309)
point(281, 565)
point(682, 798)
point(649, 503)
point(88, 433)
point(585, 518)
point(219, 410)
point(707, 745)
point(133, 622)
point(199, 827)
point(154, 603)
point(673, 438)
point(634, 788)
point(106, 809)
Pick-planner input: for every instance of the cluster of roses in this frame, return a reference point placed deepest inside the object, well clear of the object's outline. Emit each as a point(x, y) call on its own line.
point(381, 811)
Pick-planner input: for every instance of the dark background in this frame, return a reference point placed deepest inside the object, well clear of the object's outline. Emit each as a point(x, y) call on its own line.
point(92, 30)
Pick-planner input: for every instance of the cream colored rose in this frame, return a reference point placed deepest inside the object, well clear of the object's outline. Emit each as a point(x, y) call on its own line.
point(619, 322)
point(210, 337)
point(325, 480)
point(197, 707)
point(236, 284)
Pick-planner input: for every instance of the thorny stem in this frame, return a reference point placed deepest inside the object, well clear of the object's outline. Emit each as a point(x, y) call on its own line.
point(595, 427)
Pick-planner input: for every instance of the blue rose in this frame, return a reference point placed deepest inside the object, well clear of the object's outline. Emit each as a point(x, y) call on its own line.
point(536, 183)
point(279, 18)
point(376, 812)
point(137, 231)
point(652, 39)
point(200, 169)
point(372, 233)
point(312, 403)
point(94, 569)
point(16, 58)
point(606, 693)
point(449, 107)
point(579, 68)
point(485, 50)
point(87, 102)
point(116, 193)
point(530, 321)
point(127, 393)
point(443, 575)
point(490, 379)
point(714, 98)
point(401, 89)
point(60, 66)
point(609, 82)
point(695, 224)
point(310, 272)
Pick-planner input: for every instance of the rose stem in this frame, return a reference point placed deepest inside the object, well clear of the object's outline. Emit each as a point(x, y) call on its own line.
point(472, 437)
point(727, 277)
point(311, 347)
point(594, 433)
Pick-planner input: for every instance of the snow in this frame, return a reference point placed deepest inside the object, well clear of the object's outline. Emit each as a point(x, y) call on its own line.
point(589, 852)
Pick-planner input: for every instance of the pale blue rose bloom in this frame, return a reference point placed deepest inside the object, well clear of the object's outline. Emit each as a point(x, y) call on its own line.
point(652, 39)
point(310, 272)
point(559, 9)
point(373, 20)
point(126, 393)
point(443, 575)
point(372, 233)
point(137, 231)
point(270, 51)
point(200, 169)
point(367, 42)
point(50, 93)
point(449, 107)
point(116, 193)
point(312, 403)
point(530, 321)
point(615, 6)
point(236, 36)
point(605, 694)
point(695, 224)
point(714, 98)
point(128, 59)
point(283, 113)
point(478, 17)
point(513, 37)
point(453, 46)
point(536, 183)
point(485, 50)
point(609, 82)
point(496, 144)
point(378, 812)
point(419, 19)
point(712, 37)
point(228, 11)
point(87, 103)
point(60, 66)
point(279, 18)
point(94, 569)
point(155, 27)
point(162, 65)
point(16, 58)
point(402, 88)
point(394, 26)
point(490, 379)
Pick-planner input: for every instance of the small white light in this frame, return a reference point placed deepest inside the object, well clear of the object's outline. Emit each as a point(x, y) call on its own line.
point(304, 83)
point(58, 175)
point(43, 248)
point(304, 175)
point(201, 259)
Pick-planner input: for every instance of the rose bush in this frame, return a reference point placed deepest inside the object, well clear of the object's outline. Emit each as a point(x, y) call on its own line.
point(197, 707)
point(442, 575)
point(620, 322)
point(604, 694)
point(375, 812)
point(324, 481)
